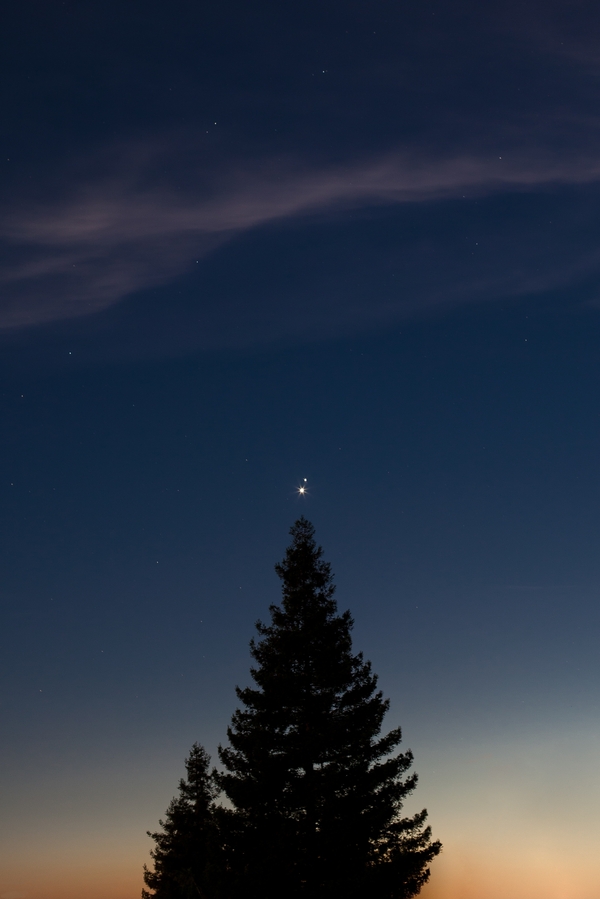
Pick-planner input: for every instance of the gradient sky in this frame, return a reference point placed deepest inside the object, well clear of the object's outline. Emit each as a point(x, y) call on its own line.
point(243, 245)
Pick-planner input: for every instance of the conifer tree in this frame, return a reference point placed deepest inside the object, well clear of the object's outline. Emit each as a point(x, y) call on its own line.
point(188, 856)
point(317, 791)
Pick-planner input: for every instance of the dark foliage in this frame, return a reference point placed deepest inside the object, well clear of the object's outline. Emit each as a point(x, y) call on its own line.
point(317, 791)
point(188, 856)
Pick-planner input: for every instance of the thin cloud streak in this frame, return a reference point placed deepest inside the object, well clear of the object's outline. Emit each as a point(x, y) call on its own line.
point(116, 236)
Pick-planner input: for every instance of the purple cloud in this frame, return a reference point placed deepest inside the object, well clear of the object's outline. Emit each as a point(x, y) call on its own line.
point(114, 236)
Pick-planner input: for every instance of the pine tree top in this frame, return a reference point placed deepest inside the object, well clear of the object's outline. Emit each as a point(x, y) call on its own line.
point(307, 640)
point(304, 573)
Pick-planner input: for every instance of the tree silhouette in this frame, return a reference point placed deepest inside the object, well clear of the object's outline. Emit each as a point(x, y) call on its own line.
point(188, 856)
point(317, 791)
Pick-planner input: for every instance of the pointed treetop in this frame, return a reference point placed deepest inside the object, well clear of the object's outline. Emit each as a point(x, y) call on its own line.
point(303, 570)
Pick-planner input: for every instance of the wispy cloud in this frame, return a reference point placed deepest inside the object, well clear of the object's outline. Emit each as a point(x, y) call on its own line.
point(117, 235)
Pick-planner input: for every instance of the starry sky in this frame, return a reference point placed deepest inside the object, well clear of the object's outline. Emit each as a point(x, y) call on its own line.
point(247, 244)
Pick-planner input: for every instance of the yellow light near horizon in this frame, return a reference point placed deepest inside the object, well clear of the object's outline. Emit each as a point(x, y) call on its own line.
point(464, 872)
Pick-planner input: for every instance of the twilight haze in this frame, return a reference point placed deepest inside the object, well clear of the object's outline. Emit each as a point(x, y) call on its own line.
point(244, 245)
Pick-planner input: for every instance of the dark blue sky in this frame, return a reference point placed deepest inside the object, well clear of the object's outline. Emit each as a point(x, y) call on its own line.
point(246, 245)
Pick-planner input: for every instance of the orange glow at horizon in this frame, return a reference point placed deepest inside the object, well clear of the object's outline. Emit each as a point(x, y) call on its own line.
point(512, 824)
point(460, 873)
